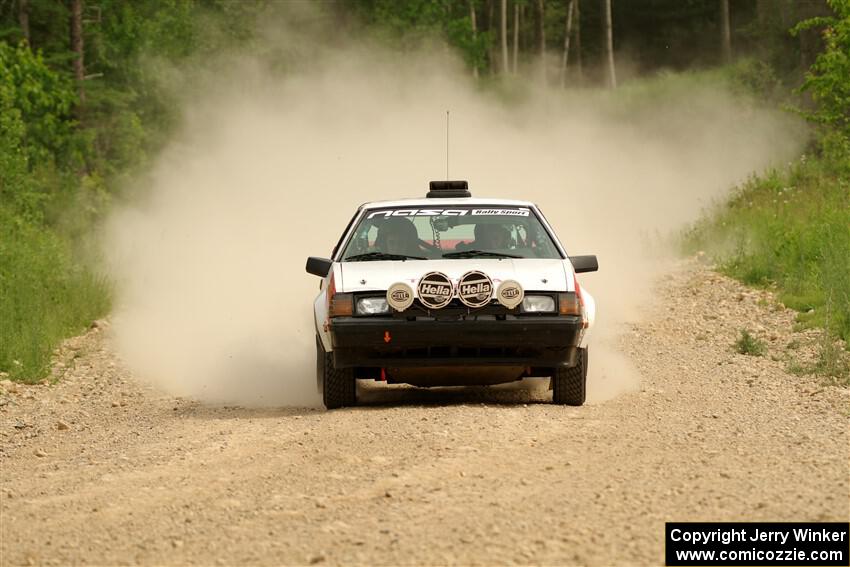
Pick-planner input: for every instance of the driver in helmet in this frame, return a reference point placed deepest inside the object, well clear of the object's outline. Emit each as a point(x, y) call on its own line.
point(491, 237)
point(398, 236)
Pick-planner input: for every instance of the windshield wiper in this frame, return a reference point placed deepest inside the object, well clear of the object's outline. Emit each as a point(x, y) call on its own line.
point(380, 256)
point(478, 253)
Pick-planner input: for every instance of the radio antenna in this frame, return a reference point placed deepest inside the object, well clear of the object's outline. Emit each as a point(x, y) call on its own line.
point(447, 145)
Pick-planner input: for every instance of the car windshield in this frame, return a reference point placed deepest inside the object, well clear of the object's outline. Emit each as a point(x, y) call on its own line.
point(416, 233)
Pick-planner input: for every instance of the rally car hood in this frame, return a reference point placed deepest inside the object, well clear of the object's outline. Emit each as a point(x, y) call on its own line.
point(532, 274)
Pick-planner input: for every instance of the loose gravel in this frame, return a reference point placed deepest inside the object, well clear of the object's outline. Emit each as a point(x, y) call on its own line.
point(99, 469)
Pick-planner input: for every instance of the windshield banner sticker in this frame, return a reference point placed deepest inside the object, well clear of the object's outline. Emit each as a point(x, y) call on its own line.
point(500, 212)
point(522, 212)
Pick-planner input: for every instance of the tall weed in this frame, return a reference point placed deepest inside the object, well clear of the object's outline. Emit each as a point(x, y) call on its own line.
point(789, 230)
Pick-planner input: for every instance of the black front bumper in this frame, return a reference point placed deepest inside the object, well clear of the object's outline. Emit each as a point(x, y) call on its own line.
point(511, 341)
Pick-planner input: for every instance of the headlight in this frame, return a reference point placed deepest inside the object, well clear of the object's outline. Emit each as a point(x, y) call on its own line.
point(372, 306)
point(538, 304)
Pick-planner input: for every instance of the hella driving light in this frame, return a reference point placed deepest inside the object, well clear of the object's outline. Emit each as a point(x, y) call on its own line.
point(400, 296)
point(372, 306)
point(538, 304)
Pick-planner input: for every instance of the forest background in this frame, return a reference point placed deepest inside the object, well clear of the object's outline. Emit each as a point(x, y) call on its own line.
point(86, 105)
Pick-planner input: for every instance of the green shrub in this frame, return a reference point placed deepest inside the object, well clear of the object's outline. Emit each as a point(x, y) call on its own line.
point(755, 77)
point(750, 345)
point(832, 363)
point(44, 296)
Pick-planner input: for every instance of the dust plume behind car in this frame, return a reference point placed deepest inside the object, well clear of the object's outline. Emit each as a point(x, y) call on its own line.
point(208, 257)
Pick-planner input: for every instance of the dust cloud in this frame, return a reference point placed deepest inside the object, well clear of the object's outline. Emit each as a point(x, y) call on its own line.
point(213, 301)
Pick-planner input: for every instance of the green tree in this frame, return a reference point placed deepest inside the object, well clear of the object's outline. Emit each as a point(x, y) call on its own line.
point(828, 80)
point(41, 97)
point(36, 129)
point(411, 22)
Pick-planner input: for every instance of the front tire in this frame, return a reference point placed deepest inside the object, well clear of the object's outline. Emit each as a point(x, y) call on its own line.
point(569, 383)
point(337, 385)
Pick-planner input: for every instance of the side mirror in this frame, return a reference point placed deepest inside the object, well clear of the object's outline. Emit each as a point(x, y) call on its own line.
point(319, 266)
point(583, 264)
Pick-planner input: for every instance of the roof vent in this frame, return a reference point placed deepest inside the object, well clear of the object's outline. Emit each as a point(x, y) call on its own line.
point(448, 189)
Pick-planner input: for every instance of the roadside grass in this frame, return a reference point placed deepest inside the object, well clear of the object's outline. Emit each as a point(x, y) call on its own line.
point(832, 364)
point(45, 296)
point(750, 345)
point(789, 231)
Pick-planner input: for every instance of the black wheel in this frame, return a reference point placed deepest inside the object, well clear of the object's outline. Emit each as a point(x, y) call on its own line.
point(337, 385)
point(569, 384)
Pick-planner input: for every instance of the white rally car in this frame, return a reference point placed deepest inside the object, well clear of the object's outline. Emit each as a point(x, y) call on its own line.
point(450, 290)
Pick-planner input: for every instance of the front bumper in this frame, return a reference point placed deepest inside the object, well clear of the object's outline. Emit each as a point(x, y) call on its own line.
point(510, 341)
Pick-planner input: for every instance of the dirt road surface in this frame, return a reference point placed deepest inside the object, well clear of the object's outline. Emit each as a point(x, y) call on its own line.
point(100, 470)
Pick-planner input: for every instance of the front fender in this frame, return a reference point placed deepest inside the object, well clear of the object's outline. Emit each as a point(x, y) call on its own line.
point(320, 315)
point(590, 313)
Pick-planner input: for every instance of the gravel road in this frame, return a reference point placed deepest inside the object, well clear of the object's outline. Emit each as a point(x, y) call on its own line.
point(101, 470)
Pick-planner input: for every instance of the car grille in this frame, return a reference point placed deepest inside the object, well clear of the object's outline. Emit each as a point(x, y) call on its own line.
point(440, 352)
